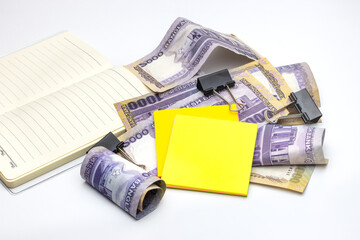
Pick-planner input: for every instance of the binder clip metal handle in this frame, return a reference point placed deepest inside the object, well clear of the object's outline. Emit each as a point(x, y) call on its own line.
point(111, 142)
point(217, 81)
point(232, 96)
point(304, 104)
point(273, 113)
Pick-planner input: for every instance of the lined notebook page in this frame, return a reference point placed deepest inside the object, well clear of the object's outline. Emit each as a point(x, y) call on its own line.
point(39, 134)
point(46, 67)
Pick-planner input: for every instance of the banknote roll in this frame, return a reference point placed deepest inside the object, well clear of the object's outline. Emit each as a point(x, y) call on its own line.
point(133, 189)
point(289, 145)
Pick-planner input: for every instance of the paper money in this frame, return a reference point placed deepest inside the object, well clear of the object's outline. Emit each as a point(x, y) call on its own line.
point(247, 90)
point(140, 145)
point(293, 178)
point(144, 200)
point(299, 76)
point(135, 110)
point(183, 50)
point(267, 74)
point(138, 109)
point(275, 145)
point(289, 145)
point(134, 190)
point(296, 77)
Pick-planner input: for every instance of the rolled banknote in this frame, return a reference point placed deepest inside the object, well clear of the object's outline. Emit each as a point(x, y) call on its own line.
point(293, 178)
point(133, 189)
point(289, 145)
point(183, 50)
point(140, 145)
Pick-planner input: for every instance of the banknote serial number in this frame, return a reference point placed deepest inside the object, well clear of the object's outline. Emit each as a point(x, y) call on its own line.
point(136, 137)
point(297, 175)
point(142, 102)
point(150, 60)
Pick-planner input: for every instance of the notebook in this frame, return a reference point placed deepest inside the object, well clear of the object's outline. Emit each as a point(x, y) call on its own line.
point(210, 155)
point(56, 100)
point(164, 119)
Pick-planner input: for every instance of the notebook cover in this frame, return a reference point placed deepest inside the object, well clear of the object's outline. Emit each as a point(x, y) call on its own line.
point(210, 155)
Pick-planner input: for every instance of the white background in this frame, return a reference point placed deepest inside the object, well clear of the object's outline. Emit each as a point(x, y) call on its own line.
point(325, 34)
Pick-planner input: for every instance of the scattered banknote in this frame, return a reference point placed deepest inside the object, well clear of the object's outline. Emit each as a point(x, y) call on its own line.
point(247, 90)
point(183, 50)
point(140, 145)
point(138, 109)
point(133, 189)
point(299, 76)
point(289, 145)
point(293, 178)
point(268, 76)
point(259, 86)
point(135, 110)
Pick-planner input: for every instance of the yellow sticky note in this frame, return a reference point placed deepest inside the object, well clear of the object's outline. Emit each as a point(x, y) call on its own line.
point(210, 155)
point(164, 120)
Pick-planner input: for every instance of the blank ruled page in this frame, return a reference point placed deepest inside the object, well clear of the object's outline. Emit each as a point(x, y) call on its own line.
point(46, 67)
point(39, 134)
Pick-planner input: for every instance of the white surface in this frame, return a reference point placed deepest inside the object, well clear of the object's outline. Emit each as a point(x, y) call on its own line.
point(325, 34)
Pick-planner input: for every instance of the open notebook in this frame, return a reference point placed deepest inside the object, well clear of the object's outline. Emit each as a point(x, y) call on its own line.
point(56, 100)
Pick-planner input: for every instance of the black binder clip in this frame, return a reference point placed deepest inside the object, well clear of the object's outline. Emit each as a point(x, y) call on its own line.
point(111, 142)
point(304, 104)
point(217, 81)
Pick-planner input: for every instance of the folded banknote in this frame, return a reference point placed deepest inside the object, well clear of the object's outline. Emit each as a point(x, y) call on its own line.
point(246, 91)
point(183, 50)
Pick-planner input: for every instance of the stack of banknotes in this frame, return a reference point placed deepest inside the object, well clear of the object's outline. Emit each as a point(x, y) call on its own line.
point(285, 155)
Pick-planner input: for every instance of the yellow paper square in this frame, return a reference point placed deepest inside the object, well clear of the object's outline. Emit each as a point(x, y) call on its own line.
point(164, 120)
point(210, 155)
